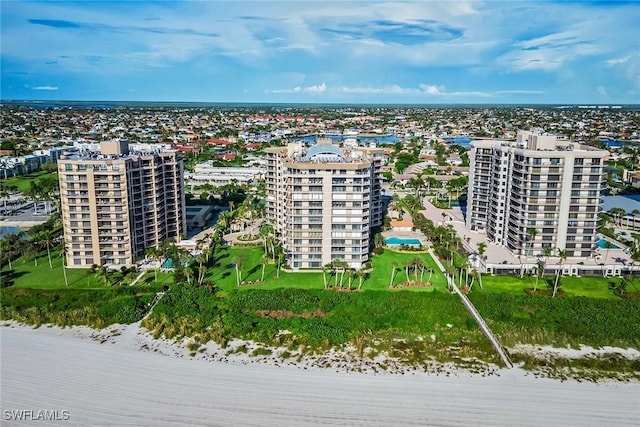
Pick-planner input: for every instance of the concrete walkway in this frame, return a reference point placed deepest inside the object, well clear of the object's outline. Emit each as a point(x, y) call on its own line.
point(137, 278)
point(474, 312)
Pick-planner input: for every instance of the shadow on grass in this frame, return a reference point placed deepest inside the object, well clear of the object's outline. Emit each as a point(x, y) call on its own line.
point(9, 277)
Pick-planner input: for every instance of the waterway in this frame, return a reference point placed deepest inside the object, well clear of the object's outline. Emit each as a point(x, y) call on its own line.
point(362, 140)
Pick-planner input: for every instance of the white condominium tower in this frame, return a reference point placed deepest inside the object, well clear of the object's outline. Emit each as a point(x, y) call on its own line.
point(324, 201)
point(117, 203)
point(536, 193)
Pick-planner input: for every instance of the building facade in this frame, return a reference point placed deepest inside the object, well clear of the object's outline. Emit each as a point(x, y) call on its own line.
point(117, 203)
point(536, 194)
point(324, 202)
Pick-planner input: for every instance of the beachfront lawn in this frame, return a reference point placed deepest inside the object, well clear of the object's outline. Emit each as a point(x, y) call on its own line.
point(28, 275)
point(382, 265)
point(223, 272)
point(593, 287)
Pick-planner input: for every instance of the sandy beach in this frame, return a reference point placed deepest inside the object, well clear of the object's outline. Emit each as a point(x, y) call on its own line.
point(121, 381)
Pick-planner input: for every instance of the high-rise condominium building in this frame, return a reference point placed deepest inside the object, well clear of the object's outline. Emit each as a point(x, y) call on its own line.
point(536, 193)
point(116, 203)
point(324, 202)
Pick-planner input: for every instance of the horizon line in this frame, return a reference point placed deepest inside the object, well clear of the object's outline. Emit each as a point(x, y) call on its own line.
point(36, 101)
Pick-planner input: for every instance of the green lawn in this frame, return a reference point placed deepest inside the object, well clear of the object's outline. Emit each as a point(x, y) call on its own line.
point(222, 271)
point(27, 275)
point(382, 264)
point(24, 181)
point(594, 287)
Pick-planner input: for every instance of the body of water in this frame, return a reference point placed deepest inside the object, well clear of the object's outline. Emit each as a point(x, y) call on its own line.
point(459, 140)
point(602, 243)
point(5, 230)
point(394, 241)
point(362, 140)
point(610, 143)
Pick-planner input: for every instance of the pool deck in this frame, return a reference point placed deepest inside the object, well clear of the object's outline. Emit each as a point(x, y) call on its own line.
point(499, 255)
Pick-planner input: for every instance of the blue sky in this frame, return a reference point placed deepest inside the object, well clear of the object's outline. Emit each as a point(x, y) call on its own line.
point(426, 52)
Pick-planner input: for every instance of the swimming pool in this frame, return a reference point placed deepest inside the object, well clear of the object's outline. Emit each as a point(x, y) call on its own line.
point(602, 243)
point(393, 241)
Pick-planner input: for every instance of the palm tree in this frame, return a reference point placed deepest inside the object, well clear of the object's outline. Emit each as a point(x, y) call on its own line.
point(617, 213)
point(378, 240)
point(202, 268)
point(394, 268)
point(266, 232)
point(264, 261)
point(540, 266)
point(35, 194)
point(238, 266)
point(46, 239)
point(63, 254)
point(351, 274)
point(342, 266)
point(32, 251)
point(562, 254)
point(482, 248)
point(325, 268)
point(103, 273)
point(430, 274)
point(532, 233)
point(279, 258)
point(407, 266)
point(475, 274)
point(154, 254)
point(10, 245)
point(362, 275)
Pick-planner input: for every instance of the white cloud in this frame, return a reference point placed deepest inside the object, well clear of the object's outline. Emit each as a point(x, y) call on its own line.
point(432, 90)
point(45, 88)
point(316, 88)
point(393, 89)
point(616, 61)
point(422, 89)
point(602, 90)
point(299, 89)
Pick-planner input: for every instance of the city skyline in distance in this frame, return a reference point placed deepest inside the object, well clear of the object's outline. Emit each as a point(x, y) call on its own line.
point(323, 52)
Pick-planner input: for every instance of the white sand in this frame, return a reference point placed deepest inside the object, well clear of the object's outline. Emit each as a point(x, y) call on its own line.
point(116, 383)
